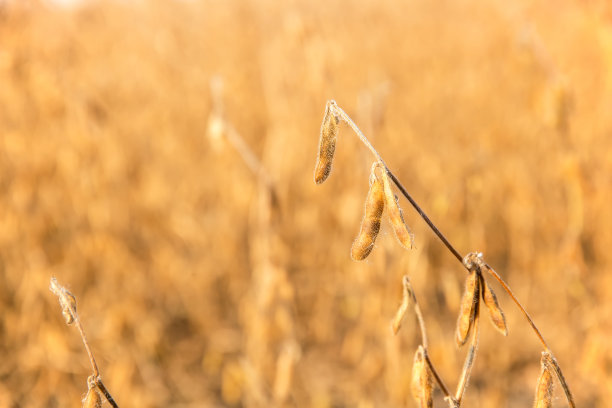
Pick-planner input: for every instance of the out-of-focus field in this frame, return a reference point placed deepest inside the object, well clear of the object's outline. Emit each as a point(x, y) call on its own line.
point(195, 291)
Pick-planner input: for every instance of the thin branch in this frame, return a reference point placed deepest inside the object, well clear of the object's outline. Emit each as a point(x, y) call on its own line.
point(518, 304)
point(223, 128)
point(457, 255)
point(561, 377)
point(418, 209)
point(107, 395)
point(92, 360)
point(340, 112)
point(68, 303)
point(419, 315)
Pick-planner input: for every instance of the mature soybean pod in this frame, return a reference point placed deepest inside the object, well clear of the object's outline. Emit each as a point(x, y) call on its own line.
point(495, 312)
point(93, 399)
point(327, 143)
point(402, 232)
point(468, 308)
point(422, 382)
point(544, 389)
point(370, 225)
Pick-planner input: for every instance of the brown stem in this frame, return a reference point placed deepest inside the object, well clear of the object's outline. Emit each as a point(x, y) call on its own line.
point(419, 316)
point(107, 395)
point(92, 360)
point(561, 377)
point(68, 303)
point(418, 209)
point(518, 304)
point(456, 254)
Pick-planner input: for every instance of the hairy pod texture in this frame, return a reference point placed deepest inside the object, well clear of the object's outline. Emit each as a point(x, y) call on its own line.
point(544, 389)
point(66, 299)
point(468, 308)
point(92, 399)
point(370, 225)
point(495, 312)
point(402, 232)
point(422, 381)
point(327, 144)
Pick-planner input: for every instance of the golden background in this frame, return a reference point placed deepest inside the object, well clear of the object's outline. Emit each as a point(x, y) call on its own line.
point(196, 290)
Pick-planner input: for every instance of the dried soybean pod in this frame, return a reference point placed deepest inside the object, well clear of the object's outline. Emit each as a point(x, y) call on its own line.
point(422, 382)
point(401, 311)
point(370, 225)
point(66, 299)
point(495, 312)
point(544, 389)
point(402, 232)
point(92, 399)
point(327, 143)
point(468, 308)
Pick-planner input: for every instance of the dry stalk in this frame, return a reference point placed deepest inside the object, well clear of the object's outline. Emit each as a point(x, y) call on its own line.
point(272, 293)
point(69, 310)
point(474, 264)
point(407, 299)
point(220, 129)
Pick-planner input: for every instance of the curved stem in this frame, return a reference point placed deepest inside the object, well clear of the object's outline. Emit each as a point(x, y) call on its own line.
point(399, 185)
point(68, 303)
point(92, 360)
point(557, 367)
point(518, 304)
point(431, 225)
point(107, 395)
point(470, 358)
point(561, 377)
point(340, 112)
point(419, 315)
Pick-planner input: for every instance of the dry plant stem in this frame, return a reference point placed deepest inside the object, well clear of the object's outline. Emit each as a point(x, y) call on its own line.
point(399, 185)
point(518, 304)
point(419, 316)
point(107, 395)
point(92, 360)
point(558, 371)
point(248, 156)
point(425, 217)
point(236, 140)
point(338, 110)
point(561, 378)
point(457, 255)
point(60, 291)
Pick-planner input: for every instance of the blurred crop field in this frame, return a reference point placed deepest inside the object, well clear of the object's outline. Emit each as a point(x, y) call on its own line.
point(197, 288)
